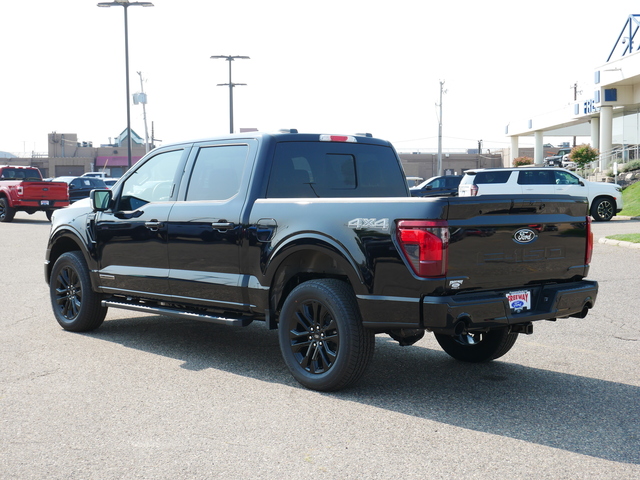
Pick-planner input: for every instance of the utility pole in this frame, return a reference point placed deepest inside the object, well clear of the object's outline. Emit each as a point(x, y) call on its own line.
point(230, 58)
point(153, 135)
point(143, 100)
point(440, 130)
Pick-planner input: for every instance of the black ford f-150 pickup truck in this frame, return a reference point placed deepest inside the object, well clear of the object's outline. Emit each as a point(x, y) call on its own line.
point(317, 236)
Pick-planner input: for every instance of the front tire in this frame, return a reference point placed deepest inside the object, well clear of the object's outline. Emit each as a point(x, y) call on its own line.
point(322, 339)
point(603, 210)
point(6, 212)
point(76, 306)
point(478, 347)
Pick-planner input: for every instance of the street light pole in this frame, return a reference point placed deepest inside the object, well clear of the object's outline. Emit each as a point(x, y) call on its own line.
point(125, 4)
point(440, 130)
point(230, 58)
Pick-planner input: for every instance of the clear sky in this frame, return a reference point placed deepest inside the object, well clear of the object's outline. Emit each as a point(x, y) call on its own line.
point(326, 66)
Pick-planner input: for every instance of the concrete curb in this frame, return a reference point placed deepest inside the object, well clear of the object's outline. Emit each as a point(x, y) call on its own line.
point(619, 243)
point(623, 217)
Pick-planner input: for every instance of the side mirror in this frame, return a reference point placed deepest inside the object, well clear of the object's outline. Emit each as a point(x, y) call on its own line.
point(100, 199)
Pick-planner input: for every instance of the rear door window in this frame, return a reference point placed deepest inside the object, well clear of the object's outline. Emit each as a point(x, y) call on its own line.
point(217, 172)
point(536, 177)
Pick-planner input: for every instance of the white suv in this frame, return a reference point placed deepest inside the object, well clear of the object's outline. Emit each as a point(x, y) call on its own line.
point(605, 199)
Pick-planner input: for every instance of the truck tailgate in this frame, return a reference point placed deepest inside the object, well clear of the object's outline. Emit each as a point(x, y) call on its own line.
point(501, 242)
point(45, 191)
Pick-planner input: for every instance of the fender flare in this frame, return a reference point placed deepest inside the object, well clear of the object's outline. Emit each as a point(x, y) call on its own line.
point(66, 240)
point(277, 271)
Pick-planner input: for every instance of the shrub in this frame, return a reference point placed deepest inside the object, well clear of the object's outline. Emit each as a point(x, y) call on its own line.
point(520, 161)
point(583, 155)
point(632, 165)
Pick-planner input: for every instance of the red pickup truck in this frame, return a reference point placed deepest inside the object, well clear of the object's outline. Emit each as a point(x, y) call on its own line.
point(23, 189)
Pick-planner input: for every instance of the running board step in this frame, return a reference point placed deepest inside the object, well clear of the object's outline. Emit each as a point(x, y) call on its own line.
point(234, 322)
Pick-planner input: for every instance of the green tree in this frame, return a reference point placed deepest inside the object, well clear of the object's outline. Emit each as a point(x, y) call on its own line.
point(583, 155)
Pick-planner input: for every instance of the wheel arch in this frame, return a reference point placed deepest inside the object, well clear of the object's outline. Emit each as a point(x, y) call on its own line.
point(603, 196)
point(307, 258)
point(63, 242)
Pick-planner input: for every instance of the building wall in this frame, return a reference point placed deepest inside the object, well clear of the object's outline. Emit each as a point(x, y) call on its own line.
point(425, 165)
point(68, 156)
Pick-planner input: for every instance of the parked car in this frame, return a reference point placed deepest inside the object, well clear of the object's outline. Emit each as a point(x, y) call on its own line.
point(437, 186)
point(316, 235)
point(80, 187)
point(96, 174)
point(605, 199)
point(110, 182)
point(22, 189)
point(557, 159)
point(568, 163)
point(413, 181)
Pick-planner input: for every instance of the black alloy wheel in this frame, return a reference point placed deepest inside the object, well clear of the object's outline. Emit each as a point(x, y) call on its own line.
point(322, 339)
point(76, 306)
point(6, 212)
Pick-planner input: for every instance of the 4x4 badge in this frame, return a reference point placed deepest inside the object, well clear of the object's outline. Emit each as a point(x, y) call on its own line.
point(524, 235)
point(369, 223)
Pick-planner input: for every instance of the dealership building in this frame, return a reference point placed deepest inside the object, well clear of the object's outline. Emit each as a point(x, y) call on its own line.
point(609, 113)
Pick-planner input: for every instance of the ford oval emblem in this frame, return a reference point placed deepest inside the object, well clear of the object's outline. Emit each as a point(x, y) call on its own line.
point(524, 235)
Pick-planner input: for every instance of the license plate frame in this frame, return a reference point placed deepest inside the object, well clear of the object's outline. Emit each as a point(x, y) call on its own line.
point(519, 300)
point(44, 203)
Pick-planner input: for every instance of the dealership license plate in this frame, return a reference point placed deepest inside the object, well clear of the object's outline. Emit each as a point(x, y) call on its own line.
point(519, 301)
point(44, 202)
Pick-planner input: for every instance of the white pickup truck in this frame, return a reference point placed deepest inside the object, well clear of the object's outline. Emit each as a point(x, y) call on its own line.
point(605, 199)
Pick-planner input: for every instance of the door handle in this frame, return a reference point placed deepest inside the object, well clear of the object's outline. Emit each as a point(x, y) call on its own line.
point(223, 225)
point(153, 225)
point(128, 215)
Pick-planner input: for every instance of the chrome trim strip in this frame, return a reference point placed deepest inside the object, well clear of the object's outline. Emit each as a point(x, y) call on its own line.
point(385, 298)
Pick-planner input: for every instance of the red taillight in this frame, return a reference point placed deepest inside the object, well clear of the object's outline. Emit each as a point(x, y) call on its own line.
point(474, 190)
point(19, 190)
point(589, 252)
point(425, 245)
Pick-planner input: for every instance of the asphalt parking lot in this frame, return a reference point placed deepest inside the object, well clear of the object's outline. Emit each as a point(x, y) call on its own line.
point(152, 398)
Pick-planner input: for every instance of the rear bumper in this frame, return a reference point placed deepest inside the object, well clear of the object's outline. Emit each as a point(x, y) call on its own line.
point(483, 310)
point(39, 204)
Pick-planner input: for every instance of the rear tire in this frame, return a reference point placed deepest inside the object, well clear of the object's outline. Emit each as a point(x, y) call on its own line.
point(478, 347)
point(6, 212)
point(76, 306)
point(603, 210)
point(322, 339)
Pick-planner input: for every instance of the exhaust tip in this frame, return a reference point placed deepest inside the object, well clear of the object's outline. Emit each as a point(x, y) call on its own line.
point(583, 313)
point(461, 325)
